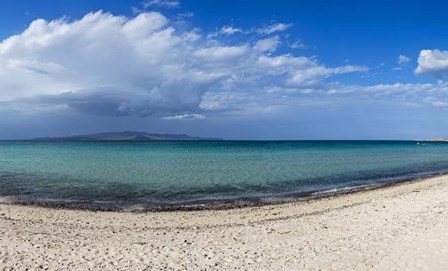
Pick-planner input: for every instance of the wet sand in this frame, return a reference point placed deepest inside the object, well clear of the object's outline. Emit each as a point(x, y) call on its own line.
point(402, 227)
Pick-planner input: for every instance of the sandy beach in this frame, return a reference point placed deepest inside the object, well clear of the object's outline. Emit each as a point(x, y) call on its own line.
point(403, 227)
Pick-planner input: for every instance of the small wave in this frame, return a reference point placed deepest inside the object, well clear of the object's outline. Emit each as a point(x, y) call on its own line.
point(336, 190)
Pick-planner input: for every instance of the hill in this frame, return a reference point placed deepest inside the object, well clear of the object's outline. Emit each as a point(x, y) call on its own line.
point(123, 136)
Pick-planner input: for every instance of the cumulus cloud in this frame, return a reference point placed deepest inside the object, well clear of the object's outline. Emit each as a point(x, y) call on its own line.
point(267, 45)
point(433, 62)
point(110, 65)
point(131, 64)
point(402, 59)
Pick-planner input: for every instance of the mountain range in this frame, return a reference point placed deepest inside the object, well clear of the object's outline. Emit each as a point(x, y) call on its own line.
point(123, 136)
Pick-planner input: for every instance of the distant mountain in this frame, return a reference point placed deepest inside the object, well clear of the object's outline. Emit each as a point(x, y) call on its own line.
point(124, 136)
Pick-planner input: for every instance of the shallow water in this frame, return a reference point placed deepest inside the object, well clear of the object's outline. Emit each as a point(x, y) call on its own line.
point(121, 175)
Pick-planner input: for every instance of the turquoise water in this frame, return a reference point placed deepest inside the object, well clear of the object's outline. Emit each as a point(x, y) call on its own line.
point(121, 175)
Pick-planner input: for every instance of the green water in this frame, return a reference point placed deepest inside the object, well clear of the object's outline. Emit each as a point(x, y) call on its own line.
point(124, 174)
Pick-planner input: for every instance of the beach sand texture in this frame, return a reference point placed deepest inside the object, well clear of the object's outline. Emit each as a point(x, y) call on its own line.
point(403, 227)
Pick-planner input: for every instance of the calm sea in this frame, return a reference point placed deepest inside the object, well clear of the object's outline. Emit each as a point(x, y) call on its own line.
point(126, 175)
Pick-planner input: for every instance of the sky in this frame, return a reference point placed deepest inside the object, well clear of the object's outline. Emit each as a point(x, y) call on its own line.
point(262, 70)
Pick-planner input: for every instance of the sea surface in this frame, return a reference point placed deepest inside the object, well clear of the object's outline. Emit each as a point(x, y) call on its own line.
point(139, 175)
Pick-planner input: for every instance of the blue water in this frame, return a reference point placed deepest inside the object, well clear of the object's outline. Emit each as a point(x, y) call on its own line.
point(126, 175)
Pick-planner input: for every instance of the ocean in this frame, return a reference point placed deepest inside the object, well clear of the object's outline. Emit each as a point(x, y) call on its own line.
point(183, 174)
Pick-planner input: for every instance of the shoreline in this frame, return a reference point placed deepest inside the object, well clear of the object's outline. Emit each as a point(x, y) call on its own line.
point(223, 204)
point(399, 227)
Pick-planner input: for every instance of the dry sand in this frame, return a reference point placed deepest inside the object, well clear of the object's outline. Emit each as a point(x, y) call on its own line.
point(404, 227)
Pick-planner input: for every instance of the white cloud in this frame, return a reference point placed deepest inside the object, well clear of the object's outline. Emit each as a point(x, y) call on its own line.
point(114, 65)
point(399, 87)
point(402, 59)
point(230, 30)
point(267, 45)
point(298, 45)
point(185, 15)
point(185, 117)
point(134, 65)
point(277, 27)
point(433, 62)
point(310, 74)
point(161, 3)
point(226, 53)
point(223, 100)
point(440, 104)
point(270, 29)
point(428, 94)
point(226, 30)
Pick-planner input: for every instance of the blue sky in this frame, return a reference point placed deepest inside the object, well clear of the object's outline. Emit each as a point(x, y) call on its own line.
point(231, 69)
